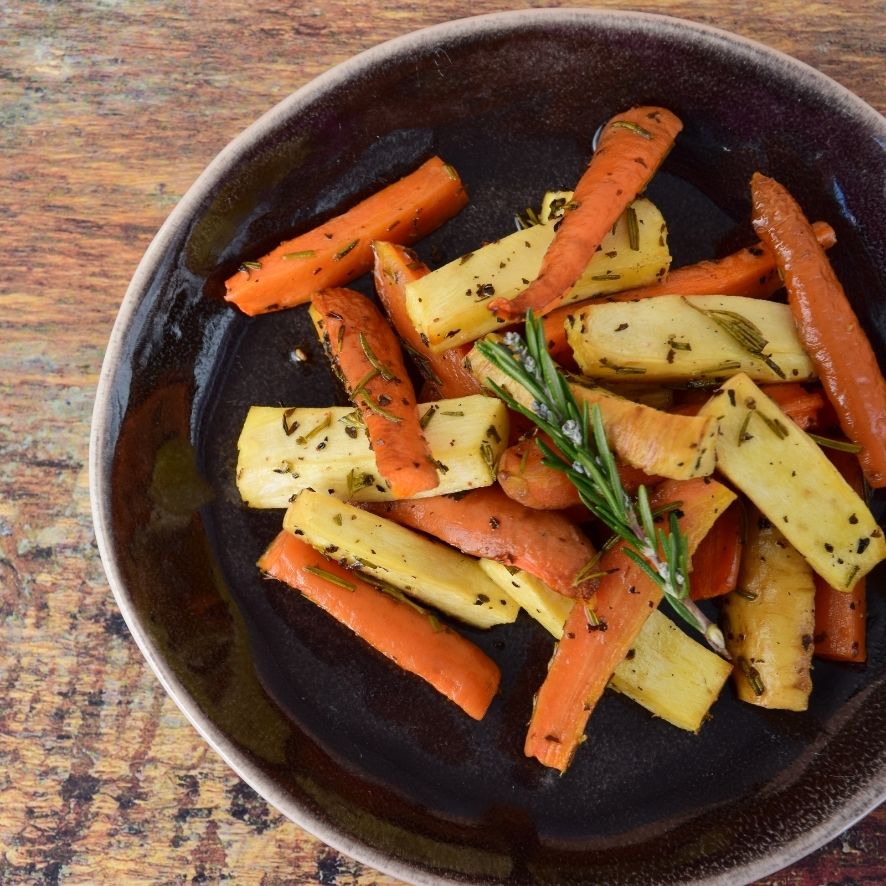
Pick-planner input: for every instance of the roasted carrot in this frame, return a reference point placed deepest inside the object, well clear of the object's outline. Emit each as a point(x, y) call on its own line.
point(524, 477)
point(841, 617)
point(749, 272)
point(632, 146)
point(486, 523)
point(338, 251)
point(398, 629)
point(827, 325)
point(717, 559)
point(593, 646)
point(798, 403)
point(367, 356)
point(395, 266)
point(803, 406)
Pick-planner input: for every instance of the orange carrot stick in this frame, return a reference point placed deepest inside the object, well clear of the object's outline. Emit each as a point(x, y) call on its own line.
point(749, 272)
point(632, 146)
point(826, 323)
point(840, 617)
point(588, 654)
point(486, 523)
point(524, 477)
point(840, 620)
point(717, 559)
point(367, 356)
point(394, 267)
point(798, 403)
point(397, 629)
point(338, 251)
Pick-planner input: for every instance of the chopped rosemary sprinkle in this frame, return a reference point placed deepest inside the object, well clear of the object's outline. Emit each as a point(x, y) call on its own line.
point(840, 445)
point(381, 368)
point(606, 277)
point(425, 420)
point(775, 426)
point(343, 252)
point(358, 480)
point(622, 370)
point(743, 430)
point(325, 423)
point(633, 229)
point(377, 408)
point(633, 127)
point(305, 253)
point(364, 381)
point(745, 333)
point(752, 675)
point(289, 429)
point(332, 579)
point(248, 266)
point(748, 595)
point(678, 345)
point(488, 456)
point(353, 419)
point(457, 413)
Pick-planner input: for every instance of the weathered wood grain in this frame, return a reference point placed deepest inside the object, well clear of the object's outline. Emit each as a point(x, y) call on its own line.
point(108, 111)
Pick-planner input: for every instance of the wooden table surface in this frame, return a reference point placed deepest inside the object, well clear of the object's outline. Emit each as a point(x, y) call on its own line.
point(109, 110)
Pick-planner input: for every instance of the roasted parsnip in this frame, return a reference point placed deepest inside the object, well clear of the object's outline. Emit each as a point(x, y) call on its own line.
point(283, 451)
point(769, 621)
point(450, 306)
point(427, 570)
point(785, 473)
point(676, 338)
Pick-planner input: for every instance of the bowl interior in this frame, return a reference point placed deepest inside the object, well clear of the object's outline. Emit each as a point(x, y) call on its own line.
point(372, 761)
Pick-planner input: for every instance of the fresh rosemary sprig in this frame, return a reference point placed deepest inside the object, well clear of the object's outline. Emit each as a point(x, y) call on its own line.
point(585, 457)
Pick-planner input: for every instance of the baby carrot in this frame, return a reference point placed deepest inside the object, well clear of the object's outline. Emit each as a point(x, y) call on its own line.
point(398, 629)
point(717, 559)
point(367, 356)
point(393, 268)
point(486, 523)
point(795, 401)
point(827, 325)
point(524, 477)
point(338, 251)
point(632, 146)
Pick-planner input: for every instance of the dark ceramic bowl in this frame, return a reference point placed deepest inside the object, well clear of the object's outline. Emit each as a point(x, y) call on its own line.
point(371, 761)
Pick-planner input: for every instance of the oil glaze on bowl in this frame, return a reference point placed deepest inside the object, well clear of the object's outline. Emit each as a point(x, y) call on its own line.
point(371, 761)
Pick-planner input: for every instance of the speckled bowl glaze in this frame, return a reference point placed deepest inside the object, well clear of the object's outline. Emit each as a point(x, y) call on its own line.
point(371, 761)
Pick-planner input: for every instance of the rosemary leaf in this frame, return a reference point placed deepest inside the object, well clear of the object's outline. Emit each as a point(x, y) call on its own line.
point(332, 579)
point(633, 229)
point(745, 333)
point(840, 445)
point(376, 364)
